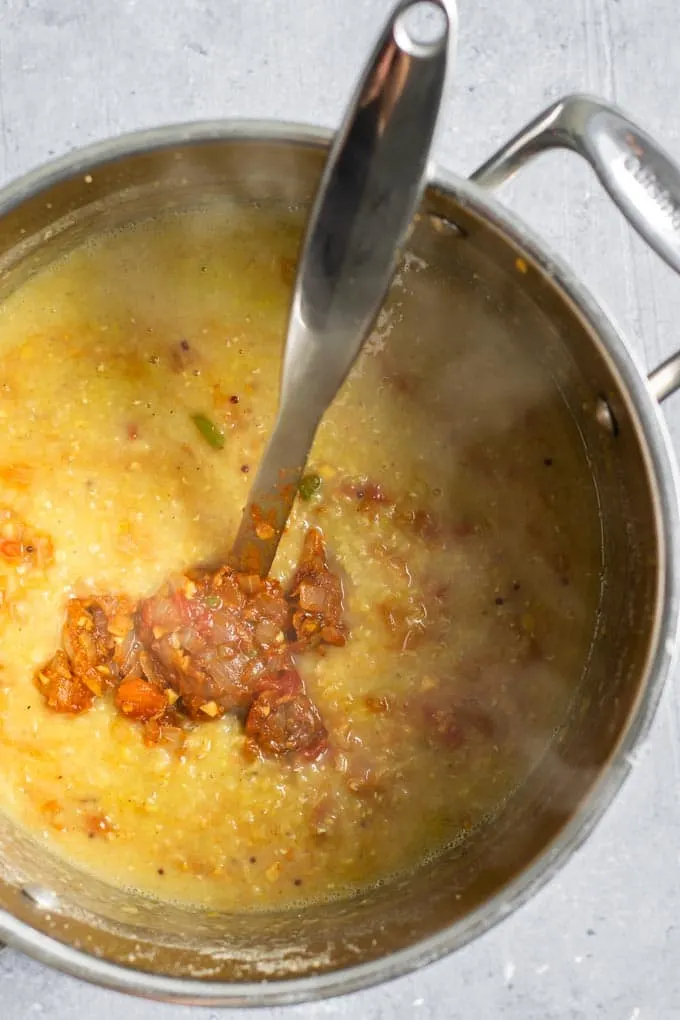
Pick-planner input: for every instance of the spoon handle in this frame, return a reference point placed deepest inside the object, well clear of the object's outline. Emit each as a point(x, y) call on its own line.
point(369, 192)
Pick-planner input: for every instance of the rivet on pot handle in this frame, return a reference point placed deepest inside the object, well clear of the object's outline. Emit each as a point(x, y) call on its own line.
point(638, 175)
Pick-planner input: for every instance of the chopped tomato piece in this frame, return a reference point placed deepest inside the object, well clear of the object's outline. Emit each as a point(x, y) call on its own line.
point(139, 699)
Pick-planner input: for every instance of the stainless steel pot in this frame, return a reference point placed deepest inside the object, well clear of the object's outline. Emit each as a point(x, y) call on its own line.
point(67, 919)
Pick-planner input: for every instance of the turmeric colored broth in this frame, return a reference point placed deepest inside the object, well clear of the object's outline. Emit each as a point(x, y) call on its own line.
point(457, 506)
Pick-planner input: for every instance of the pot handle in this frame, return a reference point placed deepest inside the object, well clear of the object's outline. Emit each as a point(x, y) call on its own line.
point(639, 176)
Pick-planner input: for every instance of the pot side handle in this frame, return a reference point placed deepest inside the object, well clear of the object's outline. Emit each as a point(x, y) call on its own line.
point(639, 176)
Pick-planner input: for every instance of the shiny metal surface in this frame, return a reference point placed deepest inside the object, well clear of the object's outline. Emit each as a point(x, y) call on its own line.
point(640, 177)
point(130, 943)
point(665, 379)
point(368, 195)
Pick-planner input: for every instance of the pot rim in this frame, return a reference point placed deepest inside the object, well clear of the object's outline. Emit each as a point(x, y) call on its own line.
point(662, 470)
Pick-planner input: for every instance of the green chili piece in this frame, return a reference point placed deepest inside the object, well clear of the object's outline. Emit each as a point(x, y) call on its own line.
point(209, 431)
point(309, 484)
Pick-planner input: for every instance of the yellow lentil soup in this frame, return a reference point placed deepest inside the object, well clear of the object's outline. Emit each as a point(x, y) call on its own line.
point(138, 384)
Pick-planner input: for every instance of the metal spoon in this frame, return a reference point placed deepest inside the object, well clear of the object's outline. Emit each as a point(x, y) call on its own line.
point(369, 193)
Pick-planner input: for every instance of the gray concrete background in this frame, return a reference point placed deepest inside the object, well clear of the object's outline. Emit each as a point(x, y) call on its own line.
point(602, 942)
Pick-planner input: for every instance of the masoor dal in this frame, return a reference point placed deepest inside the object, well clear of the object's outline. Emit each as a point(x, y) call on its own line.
point(463, 531)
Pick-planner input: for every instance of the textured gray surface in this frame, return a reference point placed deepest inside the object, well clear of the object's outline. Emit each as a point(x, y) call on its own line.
point(602, 942)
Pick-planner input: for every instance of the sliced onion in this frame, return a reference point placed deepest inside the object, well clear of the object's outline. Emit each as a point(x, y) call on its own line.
point(313, 597)
point(251, 584)
point(190, 640)
point(224, 631)
point(128, 652)
point(162, 612)
point(266, 632)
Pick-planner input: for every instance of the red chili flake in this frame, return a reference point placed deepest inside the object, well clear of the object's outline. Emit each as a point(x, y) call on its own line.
point(132, 431)
point(11, 549)
point(98, 824)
